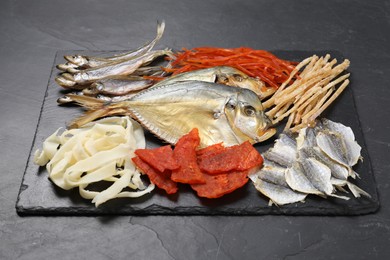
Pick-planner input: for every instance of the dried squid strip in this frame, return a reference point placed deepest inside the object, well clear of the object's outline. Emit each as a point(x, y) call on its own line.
point(319, 83)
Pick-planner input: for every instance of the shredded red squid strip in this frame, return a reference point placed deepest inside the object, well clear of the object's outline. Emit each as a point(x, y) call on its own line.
point(255, 63)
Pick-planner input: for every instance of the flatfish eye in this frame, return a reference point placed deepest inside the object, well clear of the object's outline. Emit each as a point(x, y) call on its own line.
point(99, 86)
point(238, 77)
point(222, 79)
point(249, 111)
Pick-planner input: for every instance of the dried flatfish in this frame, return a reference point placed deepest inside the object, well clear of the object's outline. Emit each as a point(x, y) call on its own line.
point(221, 113)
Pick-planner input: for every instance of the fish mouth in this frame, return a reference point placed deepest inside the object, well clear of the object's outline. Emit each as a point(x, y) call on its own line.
point(265, 134)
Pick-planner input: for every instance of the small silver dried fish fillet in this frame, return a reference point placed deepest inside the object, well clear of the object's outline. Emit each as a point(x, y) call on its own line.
point(338, 171)
point(297, 180)
point(342, 138)
point(317, 173)
point(279, 195)
point(306, 138)
point(270, 181)
point(284, 151)
point(339, 149)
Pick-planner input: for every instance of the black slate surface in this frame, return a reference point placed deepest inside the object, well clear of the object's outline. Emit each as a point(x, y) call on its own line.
point(38, 196)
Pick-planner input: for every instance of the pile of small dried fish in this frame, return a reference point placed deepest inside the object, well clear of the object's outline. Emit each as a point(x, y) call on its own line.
point(318, 161)
point(118, 75)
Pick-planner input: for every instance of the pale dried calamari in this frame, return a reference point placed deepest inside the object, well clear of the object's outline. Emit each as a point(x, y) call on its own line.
point(96, 153)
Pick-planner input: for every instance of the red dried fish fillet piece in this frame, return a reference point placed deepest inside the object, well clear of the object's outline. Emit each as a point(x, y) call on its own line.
point(160, 179)
point(238, 157)
point(160, 158)
point(210, 150)
point(221, 184)
point(185, 154)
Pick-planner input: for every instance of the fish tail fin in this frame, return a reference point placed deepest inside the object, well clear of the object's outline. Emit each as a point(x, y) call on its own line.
point(160, 29)
point(90, 103)
point(356, 191)
point(96, 109)
point(338, 196)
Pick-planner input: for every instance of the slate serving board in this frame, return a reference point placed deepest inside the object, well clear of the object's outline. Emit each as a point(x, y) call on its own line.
point(39, 196)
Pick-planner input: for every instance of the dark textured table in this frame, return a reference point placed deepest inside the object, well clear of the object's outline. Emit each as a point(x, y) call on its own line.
point(32, 32)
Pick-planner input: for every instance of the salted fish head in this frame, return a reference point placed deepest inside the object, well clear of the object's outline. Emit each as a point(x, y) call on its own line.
point(245, 114)
point(235, 78)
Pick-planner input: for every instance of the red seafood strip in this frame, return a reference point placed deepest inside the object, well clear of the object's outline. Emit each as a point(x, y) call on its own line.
point(221, 184)
point(255, 63)
point(210, 150)
point(160, 179)
point(185, 155)
point(160, 158)
point(238, 157)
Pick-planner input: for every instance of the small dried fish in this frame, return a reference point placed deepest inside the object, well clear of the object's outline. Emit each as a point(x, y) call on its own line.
point(338, 142)
point(307, 146)
point(66, 66)
point(338, 171)
point(310, 176)
point(116, 99)
point(127, 67)
point(149, 71)
point(272, 183)
point(67, 100)
point(85, 61)
point(221, 74)
point(66, 83)
point(284, 152)
point(118, 86)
